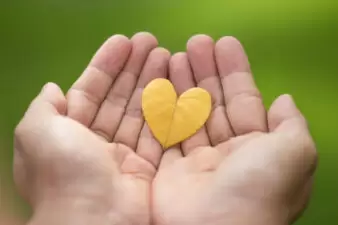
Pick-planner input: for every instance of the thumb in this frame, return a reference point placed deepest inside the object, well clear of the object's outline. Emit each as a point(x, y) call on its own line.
point(285, 118)
point(50, 101)
point(284, 115)
point(52, 95)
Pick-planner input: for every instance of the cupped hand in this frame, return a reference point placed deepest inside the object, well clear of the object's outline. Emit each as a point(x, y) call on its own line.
point(247, 165)
point(89, 153)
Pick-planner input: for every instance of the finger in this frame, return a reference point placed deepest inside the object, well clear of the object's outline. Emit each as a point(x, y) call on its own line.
point(244, 104)
point(182, 78)
point(148, 147)
point(156, 67)
point(170, 156)
point(88, 92)
point(113, 107)
point(200, 50)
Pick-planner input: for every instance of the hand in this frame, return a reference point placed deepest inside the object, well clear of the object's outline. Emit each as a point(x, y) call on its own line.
point(83, 159)
point(247, 166)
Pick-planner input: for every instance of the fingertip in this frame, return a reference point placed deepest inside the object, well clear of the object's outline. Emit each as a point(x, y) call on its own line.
point(282, 109)
point(177, 61)
point(199, 41)
point(288, 97)
point(145, 37)
point(158, 59)
point(117, 41)
point(180, 72)
point(231, 56)
point(229, 41)
point(163, 52)
point(51, 89)
point(178, 56)
point(106, 59)
point(200, 50)
point(53, 94)
point(284, 104)
point(118, 38)
point(156, 66)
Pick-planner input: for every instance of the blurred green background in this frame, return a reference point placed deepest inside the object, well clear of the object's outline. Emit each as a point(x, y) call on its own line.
point(292, 46)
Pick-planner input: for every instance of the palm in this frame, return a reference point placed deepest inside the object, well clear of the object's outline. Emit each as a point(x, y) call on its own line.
point(107, 100)
point(197, 184)
point(113, 169)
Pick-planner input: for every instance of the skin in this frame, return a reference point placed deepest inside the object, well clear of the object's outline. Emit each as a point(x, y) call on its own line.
point(246, 166)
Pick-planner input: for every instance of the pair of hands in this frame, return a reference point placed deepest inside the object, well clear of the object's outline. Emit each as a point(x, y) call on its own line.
point(89, 157)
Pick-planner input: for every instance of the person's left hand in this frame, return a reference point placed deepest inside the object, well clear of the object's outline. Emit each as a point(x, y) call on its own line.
point(247, 166)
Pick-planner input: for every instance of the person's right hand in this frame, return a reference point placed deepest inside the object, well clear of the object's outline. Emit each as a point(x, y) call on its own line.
point(82, 159)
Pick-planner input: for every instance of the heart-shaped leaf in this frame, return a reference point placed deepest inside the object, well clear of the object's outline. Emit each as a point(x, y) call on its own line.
point(173, 120)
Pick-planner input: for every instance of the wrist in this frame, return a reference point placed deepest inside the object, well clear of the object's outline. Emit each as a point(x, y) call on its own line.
point(255, 219)
point(70, 212)
point(248, 214)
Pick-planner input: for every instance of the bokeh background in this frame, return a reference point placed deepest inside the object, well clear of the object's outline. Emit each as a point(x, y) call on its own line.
point(292, 46)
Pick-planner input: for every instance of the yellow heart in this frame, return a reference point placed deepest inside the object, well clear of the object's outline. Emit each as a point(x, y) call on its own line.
point(173, 120)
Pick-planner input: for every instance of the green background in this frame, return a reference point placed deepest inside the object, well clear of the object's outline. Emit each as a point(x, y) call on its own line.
point(292, 46)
